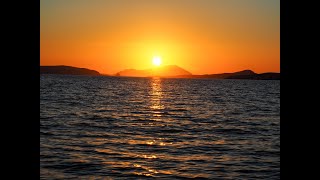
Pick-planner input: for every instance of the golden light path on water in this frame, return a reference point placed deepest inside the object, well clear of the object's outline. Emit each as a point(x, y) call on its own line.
point(155, 95)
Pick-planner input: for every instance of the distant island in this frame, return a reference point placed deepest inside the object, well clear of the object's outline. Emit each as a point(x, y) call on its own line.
point(173, 71)
point(163, 71)
point(170, 71)
point(245, 74)
point(68, 70)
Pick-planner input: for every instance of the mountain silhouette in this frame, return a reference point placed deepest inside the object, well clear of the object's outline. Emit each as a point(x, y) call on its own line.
point(174, 71)
point(67, 70)
point(245, 74)
point(235, 74)
point(263, 76)
point(170, 71)
point(163, 71)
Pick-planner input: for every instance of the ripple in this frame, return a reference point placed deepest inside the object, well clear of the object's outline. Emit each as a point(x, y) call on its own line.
point(137, 128)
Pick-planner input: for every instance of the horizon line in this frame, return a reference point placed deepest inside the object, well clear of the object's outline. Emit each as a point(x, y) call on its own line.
point(114, 74)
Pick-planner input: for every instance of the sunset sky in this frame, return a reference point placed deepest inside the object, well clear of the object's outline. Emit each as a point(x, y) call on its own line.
point(201, 36)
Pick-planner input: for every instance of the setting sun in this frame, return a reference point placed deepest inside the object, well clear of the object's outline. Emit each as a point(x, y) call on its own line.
point(156, 61)
point(204, 37)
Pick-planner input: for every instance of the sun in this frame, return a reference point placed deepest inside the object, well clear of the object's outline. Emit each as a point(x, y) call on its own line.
point(156, 60)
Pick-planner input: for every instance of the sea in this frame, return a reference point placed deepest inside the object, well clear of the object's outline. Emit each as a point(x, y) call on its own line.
point(101, 127)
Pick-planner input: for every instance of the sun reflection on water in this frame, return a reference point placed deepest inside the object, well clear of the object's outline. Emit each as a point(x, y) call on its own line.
point(156, 97)
point(142, 165)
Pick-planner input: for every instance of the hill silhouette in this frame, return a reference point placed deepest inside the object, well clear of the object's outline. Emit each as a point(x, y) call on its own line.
point(170, 71)
point(67, 70)
point(173, 71)
point(164, 71)
point(245, 74)
point(263, 76)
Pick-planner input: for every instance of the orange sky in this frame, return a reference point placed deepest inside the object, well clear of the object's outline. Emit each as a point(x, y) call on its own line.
point(201, 36)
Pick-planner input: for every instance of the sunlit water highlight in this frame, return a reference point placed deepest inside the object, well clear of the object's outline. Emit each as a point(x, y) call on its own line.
point(130, 128)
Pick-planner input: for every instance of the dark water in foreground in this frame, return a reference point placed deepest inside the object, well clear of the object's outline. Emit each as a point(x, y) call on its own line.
point(136, 128)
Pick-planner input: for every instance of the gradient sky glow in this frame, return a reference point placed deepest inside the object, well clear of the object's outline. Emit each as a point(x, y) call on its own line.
point(201, 36)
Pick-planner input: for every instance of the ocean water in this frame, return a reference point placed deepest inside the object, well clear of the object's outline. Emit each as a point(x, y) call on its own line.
point(95, 127)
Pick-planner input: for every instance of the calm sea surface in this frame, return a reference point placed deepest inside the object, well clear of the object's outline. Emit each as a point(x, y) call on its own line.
point(95, 127)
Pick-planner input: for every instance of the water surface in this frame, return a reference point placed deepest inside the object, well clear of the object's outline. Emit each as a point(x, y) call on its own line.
point(95, 127)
